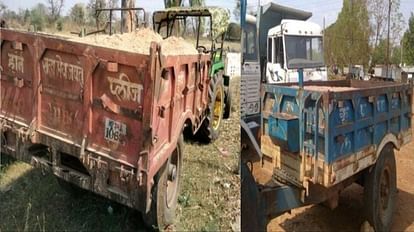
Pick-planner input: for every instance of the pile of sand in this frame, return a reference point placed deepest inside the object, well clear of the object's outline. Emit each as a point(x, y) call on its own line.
point(177, 46)
point(139, 41)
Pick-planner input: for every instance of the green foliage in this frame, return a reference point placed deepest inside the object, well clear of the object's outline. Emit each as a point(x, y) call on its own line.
point(408, 42)
point(78, 13)
point(103, 16)
point(379, 55)
point(26, 16)
point(172, 3)
point(347, 40)
point(59, 25)
point(395, 55)
point(38, 16)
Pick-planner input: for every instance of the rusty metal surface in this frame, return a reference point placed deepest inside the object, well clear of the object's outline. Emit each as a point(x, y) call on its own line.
point(119, 113)
point(17, 79)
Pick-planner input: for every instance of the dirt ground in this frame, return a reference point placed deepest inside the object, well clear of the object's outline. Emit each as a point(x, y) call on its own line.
point(209, 198)
point(348, 215)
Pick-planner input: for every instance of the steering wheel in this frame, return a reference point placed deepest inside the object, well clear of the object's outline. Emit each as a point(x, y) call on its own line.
point(202, 47)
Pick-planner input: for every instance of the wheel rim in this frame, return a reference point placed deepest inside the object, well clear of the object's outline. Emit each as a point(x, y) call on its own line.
point(218, 108)
point(173, 170)
point(384, 193)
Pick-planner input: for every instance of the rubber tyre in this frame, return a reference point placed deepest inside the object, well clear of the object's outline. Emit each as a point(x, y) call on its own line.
point(163, 209)
point(253, 217)
point(380, 191)
point(227, 104)
point(207, 132)
point(72, 189)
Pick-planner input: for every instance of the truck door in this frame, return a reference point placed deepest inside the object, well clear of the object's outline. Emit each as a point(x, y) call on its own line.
point(275, 67)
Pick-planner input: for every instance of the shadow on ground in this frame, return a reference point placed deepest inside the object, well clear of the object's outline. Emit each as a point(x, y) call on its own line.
point(404, 215)
point(35, 202)
point(348, 216)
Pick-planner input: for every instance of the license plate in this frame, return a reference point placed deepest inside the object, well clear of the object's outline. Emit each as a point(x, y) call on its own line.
point(249, 108)
point(114, 131)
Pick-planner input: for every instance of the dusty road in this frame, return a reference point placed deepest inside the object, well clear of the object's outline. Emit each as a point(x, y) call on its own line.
point(348, 216)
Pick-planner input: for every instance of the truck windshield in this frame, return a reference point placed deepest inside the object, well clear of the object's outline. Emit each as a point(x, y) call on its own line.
point(304, 51)
point(249, 42)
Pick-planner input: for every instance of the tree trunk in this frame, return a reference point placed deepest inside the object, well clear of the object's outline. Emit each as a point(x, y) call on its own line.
point(128, 17)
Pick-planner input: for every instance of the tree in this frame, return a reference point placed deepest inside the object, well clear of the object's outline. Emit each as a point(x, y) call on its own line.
point(347, 40)
point(78, 13)
point(408, 42)
point(38, 16)
point(378, 9)
point(379, 55)
point(396, 23)
point(55, 8)
point(91, 8)
point(379, 26)
point(172, 3)
point(113, 4)
point(195, 3)
point(128, 17)
point(198, 3)
point(395, 55)
point(26, 16)
point(3, 8)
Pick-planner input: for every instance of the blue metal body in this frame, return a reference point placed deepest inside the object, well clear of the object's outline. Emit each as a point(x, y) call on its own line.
point(336, 124)
point(286, 130)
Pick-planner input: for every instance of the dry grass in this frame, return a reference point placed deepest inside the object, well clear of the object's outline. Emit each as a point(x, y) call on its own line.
point(210, 197)
point(31, 201)
point(209, 200)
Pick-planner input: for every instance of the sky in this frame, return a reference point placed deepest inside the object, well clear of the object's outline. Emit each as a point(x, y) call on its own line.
point(148, 5)
point(328, 9)
point(320, 9)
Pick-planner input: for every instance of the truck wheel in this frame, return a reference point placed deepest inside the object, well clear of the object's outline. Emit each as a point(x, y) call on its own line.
point(253, 216)
point(72, 189)
point(166, 190)
point(380, 190)
point(209, 130)
point(227, 105)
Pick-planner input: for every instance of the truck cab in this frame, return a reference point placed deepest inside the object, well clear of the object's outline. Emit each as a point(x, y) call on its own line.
point(293, 44)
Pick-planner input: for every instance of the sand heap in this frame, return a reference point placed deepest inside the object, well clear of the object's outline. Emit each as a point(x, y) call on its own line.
point(139, 41)
point(177, 46)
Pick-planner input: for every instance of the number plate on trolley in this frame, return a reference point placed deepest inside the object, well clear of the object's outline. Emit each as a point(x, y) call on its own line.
point(114, 131)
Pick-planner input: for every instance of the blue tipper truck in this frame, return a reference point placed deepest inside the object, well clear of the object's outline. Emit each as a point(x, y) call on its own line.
point(317, 138)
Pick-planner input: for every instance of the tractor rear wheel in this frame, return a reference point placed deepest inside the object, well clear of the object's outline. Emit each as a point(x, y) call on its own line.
point(209, 130)
point(227, 105)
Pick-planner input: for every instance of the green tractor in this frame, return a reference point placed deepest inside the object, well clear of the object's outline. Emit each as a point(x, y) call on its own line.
point(206, 27)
